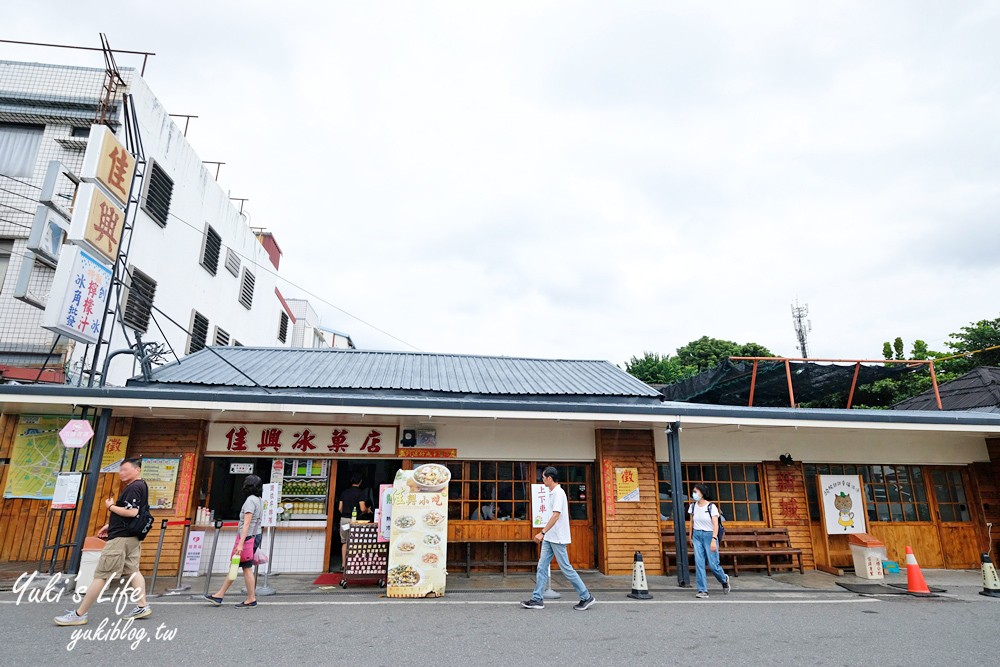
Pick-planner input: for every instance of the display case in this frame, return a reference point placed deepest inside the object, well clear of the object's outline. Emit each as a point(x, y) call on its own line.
point(304, 488)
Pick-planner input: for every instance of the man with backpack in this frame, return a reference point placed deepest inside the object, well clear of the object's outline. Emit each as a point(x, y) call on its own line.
point(120, 556)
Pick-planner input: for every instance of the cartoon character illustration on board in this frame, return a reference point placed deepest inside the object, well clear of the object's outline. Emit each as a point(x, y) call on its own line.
point(843, 503)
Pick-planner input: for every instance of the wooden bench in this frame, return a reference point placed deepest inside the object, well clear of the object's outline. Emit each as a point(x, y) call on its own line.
point(504, 561)
point(758, 543)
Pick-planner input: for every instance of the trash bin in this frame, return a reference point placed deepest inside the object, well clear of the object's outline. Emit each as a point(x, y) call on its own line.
point(92, 547)
point(868, 553)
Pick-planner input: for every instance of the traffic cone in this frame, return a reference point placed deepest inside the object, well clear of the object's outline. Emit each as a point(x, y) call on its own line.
point(640, 590)
point(991, 585)
point(914, 578)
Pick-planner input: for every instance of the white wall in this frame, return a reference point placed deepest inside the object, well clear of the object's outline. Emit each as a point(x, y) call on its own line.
point(499, 441)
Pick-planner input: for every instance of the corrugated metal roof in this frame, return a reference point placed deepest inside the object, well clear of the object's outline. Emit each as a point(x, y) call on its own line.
point(977, 389)
point(284, 368)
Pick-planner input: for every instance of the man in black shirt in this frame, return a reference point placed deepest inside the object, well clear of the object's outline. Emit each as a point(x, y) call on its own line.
point(120, 556)
point(352, 498)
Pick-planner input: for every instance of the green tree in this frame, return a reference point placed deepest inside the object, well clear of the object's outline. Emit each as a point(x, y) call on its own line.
point(653, 368)
point(975, 336)
point(706, 352)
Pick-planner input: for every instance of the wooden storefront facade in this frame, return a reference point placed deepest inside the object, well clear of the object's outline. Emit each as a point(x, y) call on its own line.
point(957, 476)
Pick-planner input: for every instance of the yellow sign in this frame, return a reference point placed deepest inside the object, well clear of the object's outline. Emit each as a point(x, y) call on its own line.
point(160, 476)
point(97, 222)
point(114, 453)
point(627, 485)
point(108, 163)
point(35, 457)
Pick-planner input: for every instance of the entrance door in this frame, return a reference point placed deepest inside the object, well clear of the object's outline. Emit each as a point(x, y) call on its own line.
point(373, 474)
point(955, 517)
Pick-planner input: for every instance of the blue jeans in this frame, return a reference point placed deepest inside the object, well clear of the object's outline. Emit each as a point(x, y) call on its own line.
point(702, 540)
point(550, 549)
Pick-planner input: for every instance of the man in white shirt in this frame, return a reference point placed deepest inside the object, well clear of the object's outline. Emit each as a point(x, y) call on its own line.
point(554, 537)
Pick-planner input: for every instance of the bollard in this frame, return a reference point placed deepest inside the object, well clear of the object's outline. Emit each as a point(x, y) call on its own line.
point(156, 562)
point(550, 594)
point(640, 590)
point(211, 559)
point(181, 587)
point(265, 589)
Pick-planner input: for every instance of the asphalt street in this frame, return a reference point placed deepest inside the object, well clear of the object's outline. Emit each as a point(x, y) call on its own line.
point(482, 628)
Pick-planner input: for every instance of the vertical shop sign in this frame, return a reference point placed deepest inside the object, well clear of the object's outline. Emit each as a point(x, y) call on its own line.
point(186, 478)
point(78, 296)
point(608, 481)
point(540, 509)
point(385, 516)
point(271, 498)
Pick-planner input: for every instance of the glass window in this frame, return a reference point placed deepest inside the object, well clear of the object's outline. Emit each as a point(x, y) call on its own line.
point(19, 149)
point(735, 486)
point(949, 491)
point(893, 493)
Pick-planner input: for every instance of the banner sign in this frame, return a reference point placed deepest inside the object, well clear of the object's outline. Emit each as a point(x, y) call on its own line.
point(271, 498)
point(424, 453)
point(78, 296)
point(541, 511)
point(312, 440)
point(418, 544)
point(608, 481)
point(192, 558)
point(108, 163)
point(385, 515)
point(842, 499)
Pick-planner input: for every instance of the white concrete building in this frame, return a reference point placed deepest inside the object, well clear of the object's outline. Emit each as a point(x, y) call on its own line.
point(307, 331)
point(192, 253)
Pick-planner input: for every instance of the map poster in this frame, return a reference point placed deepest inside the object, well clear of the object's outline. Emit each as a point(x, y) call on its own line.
point(35, 457)
point(114, 452)
point(161, 477)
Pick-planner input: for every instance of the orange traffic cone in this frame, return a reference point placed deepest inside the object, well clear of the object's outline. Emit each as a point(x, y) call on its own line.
point(914, 578)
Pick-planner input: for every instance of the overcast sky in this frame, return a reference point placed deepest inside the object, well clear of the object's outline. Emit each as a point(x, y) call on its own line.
point(593, 179)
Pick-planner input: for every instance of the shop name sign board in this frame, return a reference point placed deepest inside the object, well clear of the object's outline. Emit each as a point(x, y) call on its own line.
point(97, 222)
point(312, 440)
point(78, 296)
point(842, 499)
point(108, 163)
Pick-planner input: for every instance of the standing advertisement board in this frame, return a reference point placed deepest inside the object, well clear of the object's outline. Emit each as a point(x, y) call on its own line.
point(540, 509)
point(418, 545)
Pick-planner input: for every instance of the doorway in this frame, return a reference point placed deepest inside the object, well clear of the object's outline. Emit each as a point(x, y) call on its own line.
point(373, 474)
point(955, 516)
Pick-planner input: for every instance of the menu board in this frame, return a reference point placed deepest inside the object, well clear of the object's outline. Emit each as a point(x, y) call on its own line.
point(161, 477)
point(366, 556)
point(418, 545)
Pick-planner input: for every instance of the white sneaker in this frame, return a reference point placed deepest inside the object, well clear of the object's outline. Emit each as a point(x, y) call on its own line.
point(702, 595)
point(71, 618)
point(726, 587)
point(138, 612)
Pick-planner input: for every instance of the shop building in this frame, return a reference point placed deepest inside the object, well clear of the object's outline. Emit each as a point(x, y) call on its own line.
point(311, 417)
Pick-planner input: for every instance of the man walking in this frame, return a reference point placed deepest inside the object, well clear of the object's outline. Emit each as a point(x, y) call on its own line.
point(120, 556)
point(554, 537)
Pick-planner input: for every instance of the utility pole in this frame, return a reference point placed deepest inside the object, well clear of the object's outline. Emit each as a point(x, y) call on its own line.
point(802, 326)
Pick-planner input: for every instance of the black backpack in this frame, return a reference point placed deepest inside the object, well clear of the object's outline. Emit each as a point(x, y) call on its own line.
point(722, 522)
point(139, 525)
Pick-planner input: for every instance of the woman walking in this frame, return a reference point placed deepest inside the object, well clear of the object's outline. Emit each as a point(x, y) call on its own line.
point(250, 515)
point(705, 539)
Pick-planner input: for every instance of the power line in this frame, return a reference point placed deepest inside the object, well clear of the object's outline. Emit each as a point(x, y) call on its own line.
point(304, 290)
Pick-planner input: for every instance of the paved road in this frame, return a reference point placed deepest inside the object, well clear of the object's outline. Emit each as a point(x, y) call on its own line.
point(491, 629)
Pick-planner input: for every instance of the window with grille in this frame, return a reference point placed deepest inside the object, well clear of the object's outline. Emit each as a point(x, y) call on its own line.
point(735, 488)
point(246, 289)
point(221, 336)
point(6, 250)
point(283, 327)
point(501, 490)
point(139, 301)
point(892, 492)
point(157, 192)
point(19, 149)
point(232, 262)
point(210, 250)
point(949, 492)
point(199, 332)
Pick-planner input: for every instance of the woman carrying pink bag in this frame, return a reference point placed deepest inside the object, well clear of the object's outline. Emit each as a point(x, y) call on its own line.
point(248, 540)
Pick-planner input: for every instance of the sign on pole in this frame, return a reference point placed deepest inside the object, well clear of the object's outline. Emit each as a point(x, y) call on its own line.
point(272, 498)
point(76, 433)
point(192, 557)
point(67, 490)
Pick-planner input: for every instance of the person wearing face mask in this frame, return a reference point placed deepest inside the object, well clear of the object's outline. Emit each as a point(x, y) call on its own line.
point(705, 539)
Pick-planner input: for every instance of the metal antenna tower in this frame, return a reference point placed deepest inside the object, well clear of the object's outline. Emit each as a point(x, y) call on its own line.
point(802, 326)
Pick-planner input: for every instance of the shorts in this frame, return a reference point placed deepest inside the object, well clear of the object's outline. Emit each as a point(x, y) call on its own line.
point(119, 558)
point(345, 529)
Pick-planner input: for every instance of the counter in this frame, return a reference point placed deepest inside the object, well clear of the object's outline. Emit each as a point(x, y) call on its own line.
point(298, 548)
